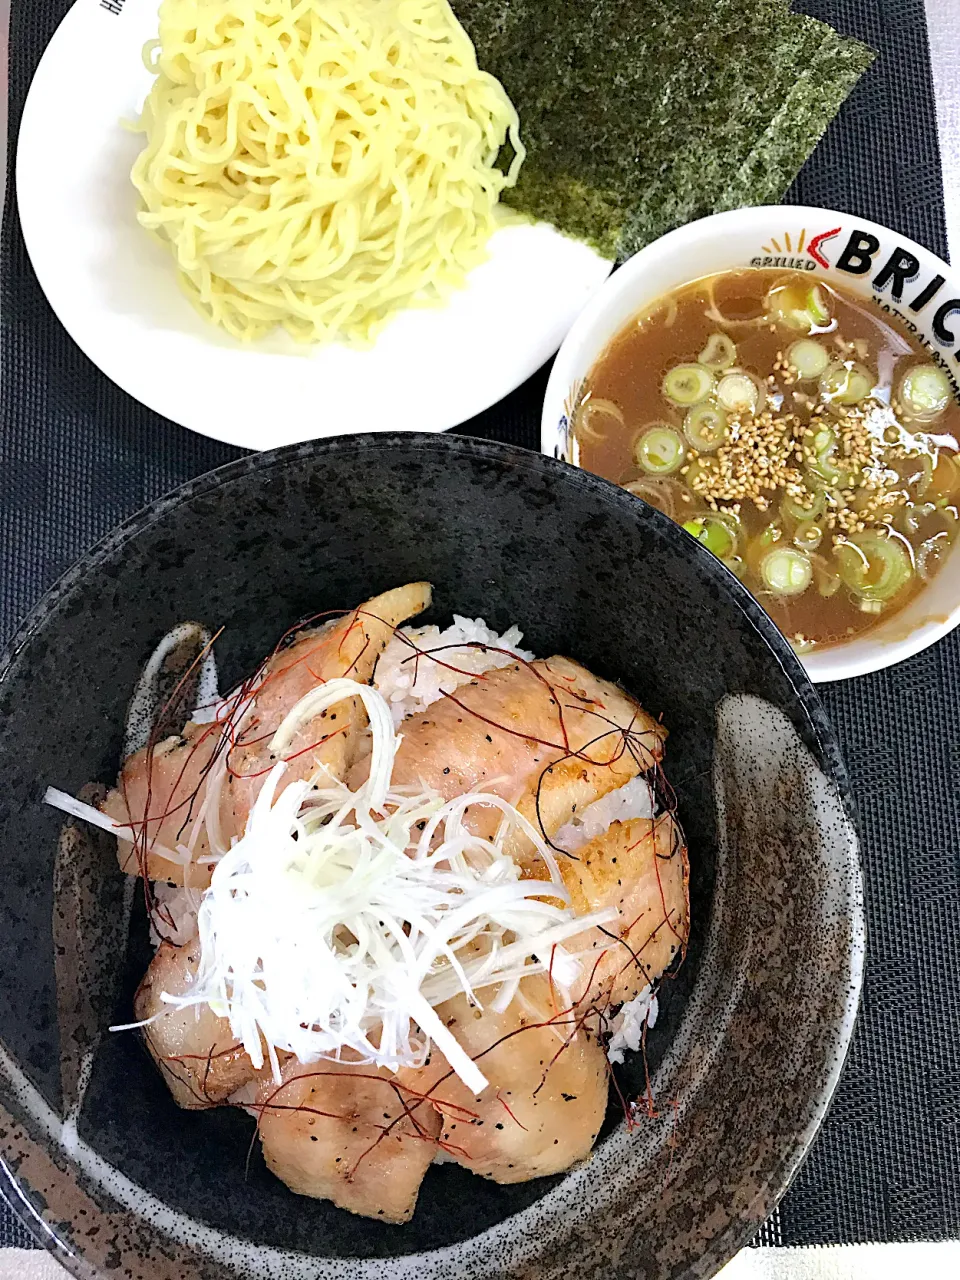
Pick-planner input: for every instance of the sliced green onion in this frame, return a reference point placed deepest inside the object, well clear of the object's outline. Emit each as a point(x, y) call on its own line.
point(847, 383)
point(833, 498)
point(719, 353)
point(662, 494)
point(660, 451)
point(688, 384)
point(717, 533)
point(925, 392)
point(925, 479)
point(874, 565)
point(825, 438)
point(790, 509)
point(833, 472)
point(826, 465)
point(786, 571)
point(809, 358)
point(818, 305)
point(739, 393)
point(594, 415)
point(808, 535)
point(705, 426)
point(761, 544)
point(796, 306)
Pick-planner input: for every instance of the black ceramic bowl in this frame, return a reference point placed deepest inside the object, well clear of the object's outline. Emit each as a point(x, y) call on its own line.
point(752, 1032)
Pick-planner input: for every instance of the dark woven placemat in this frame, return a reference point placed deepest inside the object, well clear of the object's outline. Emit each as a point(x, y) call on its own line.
point(77, 456)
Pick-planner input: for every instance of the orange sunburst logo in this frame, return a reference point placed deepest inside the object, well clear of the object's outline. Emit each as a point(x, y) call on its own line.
point(813, 246)
point(788, 245)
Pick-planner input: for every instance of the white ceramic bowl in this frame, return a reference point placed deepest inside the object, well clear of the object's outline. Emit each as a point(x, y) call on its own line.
point(905, 279)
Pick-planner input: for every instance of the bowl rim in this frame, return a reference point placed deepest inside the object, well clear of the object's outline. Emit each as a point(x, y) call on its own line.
point(830, 663)
point(822, 743)
point(471, 446)
point(475, 447)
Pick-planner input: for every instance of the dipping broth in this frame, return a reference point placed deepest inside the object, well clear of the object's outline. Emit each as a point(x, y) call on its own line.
point(796, 431)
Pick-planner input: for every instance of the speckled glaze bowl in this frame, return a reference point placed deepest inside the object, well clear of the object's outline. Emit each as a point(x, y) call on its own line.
point(753, 1029)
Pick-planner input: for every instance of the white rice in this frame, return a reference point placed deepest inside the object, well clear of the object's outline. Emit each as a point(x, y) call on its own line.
point(629, 1023)
point(634, 800)
point(411, 684)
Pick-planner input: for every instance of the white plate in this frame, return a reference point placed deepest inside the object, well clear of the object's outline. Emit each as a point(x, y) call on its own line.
point(115, 290)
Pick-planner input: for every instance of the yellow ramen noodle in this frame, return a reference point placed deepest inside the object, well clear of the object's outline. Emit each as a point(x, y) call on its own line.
point(320, 164)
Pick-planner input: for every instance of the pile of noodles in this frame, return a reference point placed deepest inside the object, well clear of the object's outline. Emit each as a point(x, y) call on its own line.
point(320, 164)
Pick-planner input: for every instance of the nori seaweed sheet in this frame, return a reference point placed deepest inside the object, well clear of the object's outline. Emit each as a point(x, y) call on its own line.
point(641, 115)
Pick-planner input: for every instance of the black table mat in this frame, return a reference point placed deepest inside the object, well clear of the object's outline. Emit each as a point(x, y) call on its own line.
point(77, 456)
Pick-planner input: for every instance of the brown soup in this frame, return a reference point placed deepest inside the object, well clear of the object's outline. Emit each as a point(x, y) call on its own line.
point(793, 428)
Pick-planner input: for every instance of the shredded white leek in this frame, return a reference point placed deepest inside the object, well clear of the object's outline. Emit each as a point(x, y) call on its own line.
point(340, 920)
point(69, 804)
